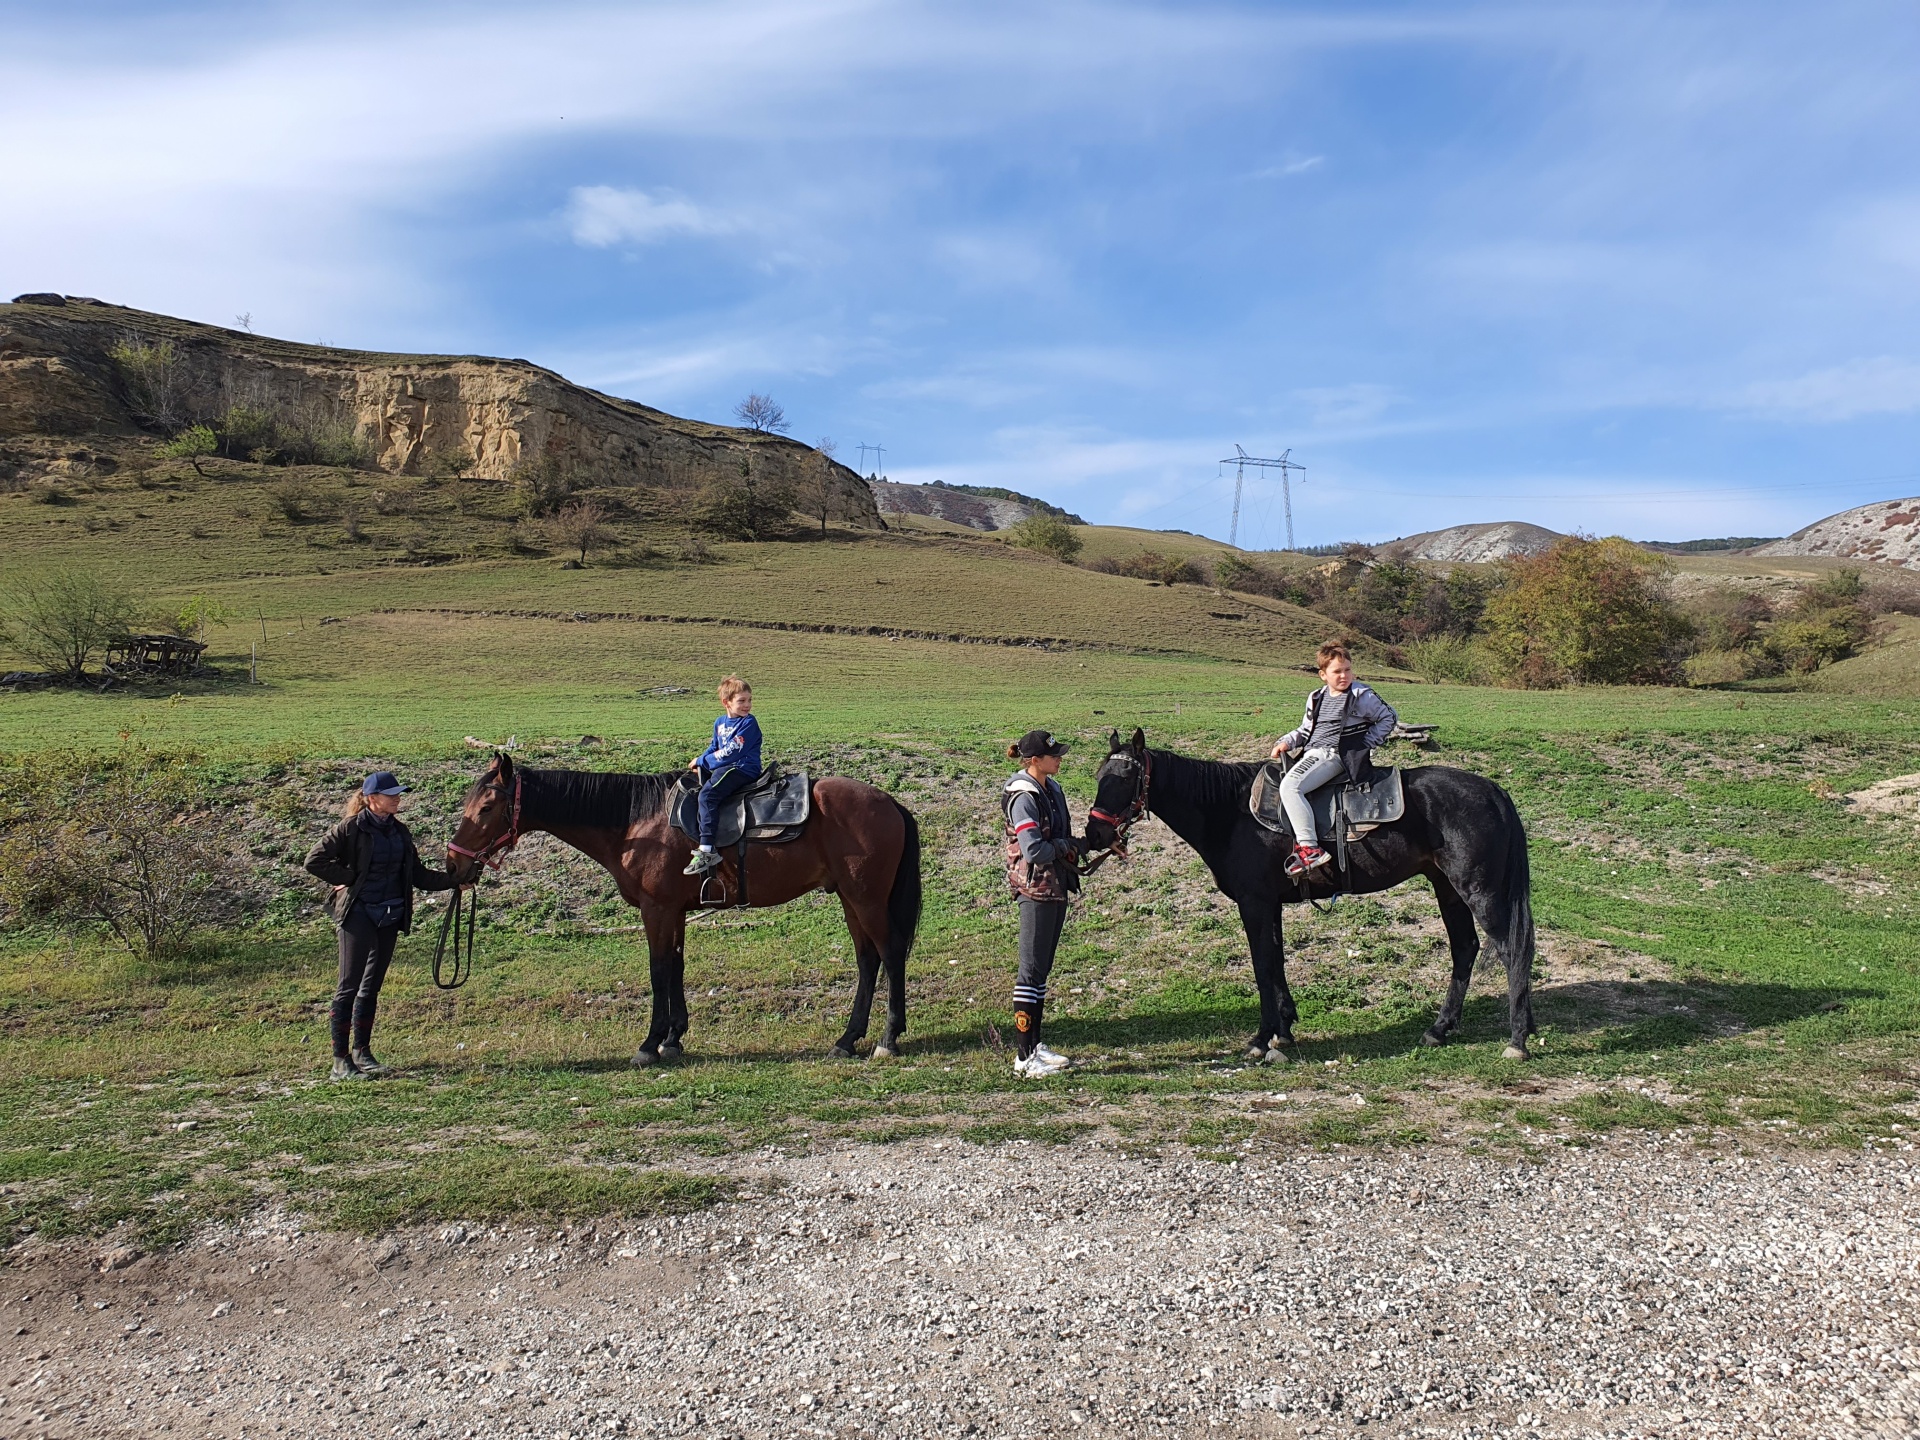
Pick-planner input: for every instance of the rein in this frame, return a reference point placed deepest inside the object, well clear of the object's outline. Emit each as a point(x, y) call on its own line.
point(462, 920)
point(1122, 823)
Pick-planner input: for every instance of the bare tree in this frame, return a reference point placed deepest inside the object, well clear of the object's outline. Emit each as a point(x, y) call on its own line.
point(823, 490)
point(581, 526)
point(762, 413)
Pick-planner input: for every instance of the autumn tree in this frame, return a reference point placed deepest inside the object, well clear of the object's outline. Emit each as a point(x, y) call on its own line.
point(1589, 612)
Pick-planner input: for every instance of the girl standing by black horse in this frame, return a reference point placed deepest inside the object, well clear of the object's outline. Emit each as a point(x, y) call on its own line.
point(1042, 874)
point(374, 867)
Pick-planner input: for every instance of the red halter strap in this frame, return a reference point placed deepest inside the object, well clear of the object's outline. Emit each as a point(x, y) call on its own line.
point(1123, 823)
point(494, 853)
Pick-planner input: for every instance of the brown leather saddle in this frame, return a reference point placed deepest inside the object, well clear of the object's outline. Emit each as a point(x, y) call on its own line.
point(770, 811)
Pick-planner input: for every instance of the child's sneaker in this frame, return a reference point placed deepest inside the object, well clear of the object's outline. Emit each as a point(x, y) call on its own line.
point(1305, 858)
point(702, 861)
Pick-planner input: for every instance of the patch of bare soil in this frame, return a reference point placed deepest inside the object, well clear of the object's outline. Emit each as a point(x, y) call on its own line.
point(1636, 1289)
point(1898, 796)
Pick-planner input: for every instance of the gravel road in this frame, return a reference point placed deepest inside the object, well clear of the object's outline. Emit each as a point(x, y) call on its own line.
point(1634, 1289)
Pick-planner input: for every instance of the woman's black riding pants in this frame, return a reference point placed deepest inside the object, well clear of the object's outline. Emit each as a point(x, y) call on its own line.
point(1040, 925)
point(366, 950)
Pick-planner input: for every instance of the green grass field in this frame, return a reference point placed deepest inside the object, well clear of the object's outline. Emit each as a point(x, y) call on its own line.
point(1726, 946)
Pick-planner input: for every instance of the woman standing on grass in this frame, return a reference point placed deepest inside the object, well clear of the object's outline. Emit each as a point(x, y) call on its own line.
point(374, 867)
point(1041, 870)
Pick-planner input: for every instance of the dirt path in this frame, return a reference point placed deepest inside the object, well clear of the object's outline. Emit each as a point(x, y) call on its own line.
point(1636, 1289)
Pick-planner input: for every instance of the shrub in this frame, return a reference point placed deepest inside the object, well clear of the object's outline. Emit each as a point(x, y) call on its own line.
point(1827, 622)
point(193, 445)
point(581, 526)
point(124, 843)
point(60, 622)
point(1450, 657)
point(1152, 565)
point(192, 619)
point(1727, 620)
point(1048, 534)
point(744, 509)
point(544, 485)
point(293, 498)
point(243, 429)
point(1586, 612)
point(1727, 667)
point(156, 381)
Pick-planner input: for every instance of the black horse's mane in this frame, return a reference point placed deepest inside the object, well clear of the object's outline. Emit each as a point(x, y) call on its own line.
point(1205, 784)
point(594, 799)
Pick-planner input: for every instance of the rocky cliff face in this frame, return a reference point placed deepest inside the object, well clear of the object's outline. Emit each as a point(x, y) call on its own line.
point(59, 376)
point(1472, 544)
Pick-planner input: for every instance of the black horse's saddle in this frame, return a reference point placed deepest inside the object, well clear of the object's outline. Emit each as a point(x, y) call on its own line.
point(1342, 810)
point(770, 810)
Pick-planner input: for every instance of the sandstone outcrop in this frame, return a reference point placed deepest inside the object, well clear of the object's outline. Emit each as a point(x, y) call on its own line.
point(59, 376)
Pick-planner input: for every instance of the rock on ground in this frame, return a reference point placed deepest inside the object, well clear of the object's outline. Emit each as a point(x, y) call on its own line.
point(1637, 1289)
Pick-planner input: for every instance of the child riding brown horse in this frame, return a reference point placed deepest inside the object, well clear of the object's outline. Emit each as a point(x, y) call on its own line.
point(860, 844)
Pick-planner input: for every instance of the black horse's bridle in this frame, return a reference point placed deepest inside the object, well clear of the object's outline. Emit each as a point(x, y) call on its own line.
point(1124, 822)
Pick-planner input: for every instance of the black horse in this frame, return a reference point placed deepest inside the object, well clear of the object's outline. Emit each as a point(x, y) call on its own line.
point(1460, 830)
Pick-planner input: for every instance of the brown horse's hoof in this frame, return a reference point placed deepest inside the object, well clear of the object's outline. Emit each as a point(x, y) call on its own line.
point(840, 1052)
point(1515, 1052)
point(643, 1058)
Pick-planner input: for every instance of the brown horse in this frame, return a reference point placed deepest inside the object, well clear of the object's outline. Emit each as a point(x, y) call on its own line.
point(860, 844)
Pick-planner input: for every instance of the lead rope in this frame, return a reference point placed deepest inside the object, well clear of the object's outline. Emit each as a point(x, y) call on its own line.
point(459, 930)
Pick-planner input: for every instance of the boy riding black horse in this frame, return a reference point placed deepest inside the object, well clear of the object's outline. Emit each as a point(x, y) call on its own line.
point(1344, 722)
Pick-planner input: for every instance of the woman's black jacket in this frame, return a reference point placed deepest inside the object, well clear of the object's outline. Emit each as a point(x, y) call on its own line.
point(343, 858)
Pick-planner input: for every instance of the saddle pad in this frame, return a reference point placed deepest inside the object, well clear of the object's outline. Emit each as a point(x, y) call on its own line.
point(1379, 802)
point(781, 801)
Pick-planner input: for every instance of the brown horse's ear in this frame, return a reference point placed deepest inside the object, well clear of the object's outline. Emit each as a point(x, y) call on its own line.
point(503, 766)
point(1139, 741)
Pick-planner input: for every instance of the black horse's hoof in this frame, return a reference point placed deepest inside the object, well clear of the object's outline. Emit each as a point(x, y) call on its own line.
point(671, 1051)
point(886, 1052)
point(1256, 1051)
point(840, 1052)
point(1433, 1039)
point(643, 1058)
point(1279, 1055)
point(1515, 1052)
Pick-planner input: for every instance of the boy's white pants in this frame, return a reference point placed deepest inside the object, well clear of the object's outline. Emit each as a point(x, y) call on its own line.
point(1314, 769)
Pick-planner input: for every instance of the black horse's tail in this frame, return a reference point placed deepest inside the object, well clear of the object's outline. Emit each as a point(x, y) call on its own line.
point(903, 901)
point(1519, 882)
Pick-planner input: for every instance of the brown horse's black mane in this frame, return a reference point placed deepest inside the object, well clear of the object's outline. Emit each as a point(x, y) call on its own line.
point(592, 799)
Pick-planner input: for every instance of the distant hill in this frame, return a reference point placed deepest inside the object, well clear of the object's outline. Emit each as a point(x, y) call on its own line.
point(1726, 545)
point(64, 371)
point(1471, 544)
point(978, 507)
point(1887, 532)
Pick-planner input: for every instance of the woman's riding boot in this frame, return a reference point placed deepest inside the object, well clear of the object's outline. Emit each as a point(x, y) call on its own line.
point(363, 1013)
point(1026, 1024)
point(340, 1019)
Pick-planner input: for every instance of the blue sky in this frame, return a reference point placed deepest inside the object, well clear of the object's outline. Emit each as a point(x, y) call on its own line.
point(1637, 268)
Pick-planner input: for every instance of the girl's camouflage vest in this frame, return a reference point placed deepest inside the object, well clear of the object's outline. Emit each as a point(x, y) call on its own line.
point(1030, 882)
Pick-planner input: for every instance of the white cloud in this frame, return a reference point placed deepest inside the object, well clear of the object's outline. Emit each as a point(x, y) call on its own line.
point(1883, 385)
point(1292, 166)
point(1346, 404)
point(600, 215)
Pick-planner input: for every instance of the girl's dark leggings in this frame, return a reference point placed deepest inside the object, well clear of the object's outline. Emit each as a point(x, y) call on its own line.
point(1040, 924)
point(366, 950)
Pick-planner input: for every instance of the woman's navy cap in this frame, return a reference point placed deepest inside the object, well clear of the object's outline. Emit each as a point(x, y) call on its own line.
point(383, 782)
point(1039, 742)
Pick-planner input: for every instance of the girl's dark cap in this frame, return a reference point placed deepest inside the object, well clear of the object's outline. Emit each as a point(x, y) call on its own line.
point(1039, 742)
point(382, 782)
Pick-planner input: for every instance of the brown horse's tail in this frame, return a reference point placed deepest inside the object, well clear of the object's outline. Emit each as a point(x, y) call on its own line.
point(903, 901)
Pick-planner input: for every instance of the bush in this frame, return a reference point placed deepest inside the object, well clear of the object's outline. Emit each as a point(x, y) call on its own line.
point(1827, 622)
point(744, 509)
point(1048, 534)
point(581, 526)
point(1152, 565)
point(544, 485)
point(293, 498)
point(1450, 657)
point(62, 621)
point(193, 445)
point(156, 381)
point(1586, 612)
point(124, 843)
point(1728, 667)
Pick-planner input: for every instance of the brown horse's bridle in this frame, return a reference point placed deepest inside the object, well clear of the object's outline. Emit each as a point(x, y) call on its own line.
point(493, 854)
point(1123, 823)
